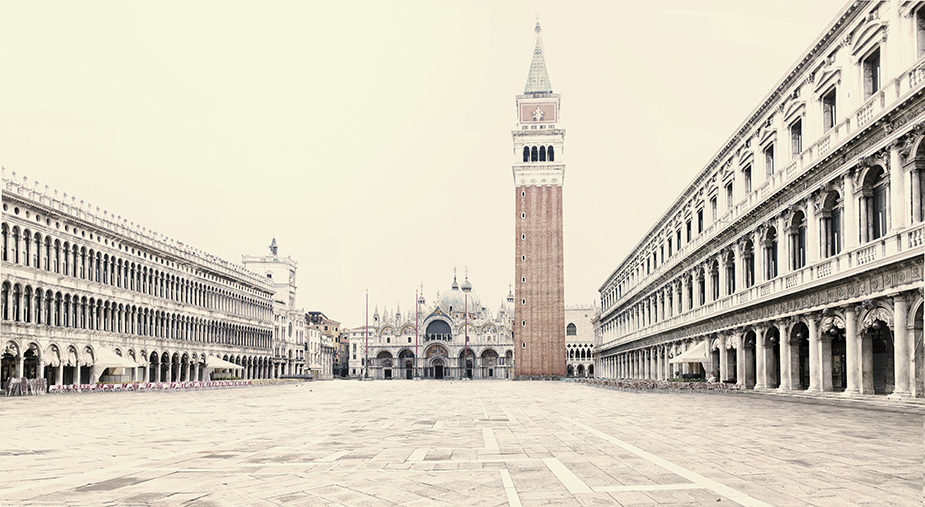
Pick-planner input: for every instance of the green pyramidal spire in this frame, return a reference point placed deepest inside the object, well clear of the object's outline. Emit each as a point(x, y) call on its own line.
point(537, 78)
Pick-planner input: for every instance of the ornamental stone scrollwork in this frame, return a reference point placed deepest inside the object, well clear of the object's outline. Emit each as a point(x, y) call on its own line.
point(846, 40)
point(878, 313)
point(818, 199)
point(11, 349)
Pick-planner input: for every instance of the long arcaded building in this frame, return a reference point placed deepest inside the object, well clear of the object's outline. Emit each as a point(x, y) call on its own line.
point(793, 260)
point(88, 296)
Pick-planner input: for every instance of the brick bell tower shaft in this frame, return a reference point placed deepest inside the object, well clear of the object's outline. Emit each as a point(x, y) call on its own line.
point(539, 173)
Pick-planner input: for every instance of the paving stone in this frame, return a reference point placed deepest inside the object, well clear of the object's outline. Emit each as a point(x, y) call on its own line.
point(342, 443)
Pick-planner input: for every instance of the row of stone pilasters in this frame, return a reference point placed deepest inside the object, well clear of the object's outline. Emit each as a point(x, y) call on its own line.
point(768, 355)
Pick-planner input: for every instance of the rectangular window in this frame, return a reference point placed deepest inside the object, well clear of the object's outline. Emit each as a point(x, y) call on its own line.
point(713, 211)
point(872, 73)
point(747, 179)
point(769, 160)
point(679, 234)
point(688, 231)
point(669, 247)
point(699, 221)
point(796, 138)
point(729, 197)
point(828, 110)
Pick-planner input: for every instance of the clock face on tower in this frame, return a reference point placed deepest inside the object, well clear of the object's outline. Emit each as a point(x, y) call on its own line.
point(538, 112)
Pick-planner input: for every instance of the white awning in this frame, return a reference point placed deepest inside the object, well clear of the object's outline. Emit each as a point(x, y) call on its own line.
point(695, 354)
point(216, 363)
point(106, 359)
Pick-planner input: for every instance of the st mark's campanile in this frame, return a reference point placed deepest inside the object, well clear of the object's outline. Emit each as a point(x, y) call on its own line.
point(539, 314)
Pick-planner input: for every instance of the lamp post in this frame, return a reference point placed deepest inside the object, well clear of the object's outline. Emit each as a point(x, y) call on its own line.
point(366, 332)
point(416, 333)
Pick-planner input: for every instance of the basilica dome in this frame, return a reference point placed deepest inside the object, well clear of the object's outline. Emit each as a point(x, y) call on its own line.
point(456, 300)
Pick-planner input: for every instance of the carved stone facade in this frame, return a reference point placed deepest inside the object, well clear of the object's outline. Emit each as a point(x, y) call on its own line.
point(89, 297)
point(809, 276)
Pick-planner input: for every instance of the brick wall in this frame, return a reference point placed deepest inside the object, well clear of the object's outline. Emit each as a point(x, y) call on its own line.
point(539, 306)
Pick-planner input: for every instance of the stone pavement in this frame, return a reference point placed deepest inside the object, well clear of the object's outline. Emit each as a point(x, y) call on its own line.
point(478, 443)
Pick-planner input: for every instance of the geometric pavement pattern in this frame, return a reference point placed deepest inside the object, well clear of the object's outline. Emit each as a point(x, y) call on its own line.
point(478, 443)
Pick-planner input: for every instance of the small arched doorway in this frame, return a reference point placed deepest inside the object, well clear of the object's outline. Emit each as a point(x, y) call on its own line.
point(438, 369)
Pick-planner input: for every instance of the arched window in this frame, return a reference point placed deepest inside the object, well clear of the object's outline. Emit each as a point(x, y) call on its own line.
point(748, 258)
point(534, 154)
point(526, 157)
point(5, 302)
point(550, 154)
point(542, 154)
point(714, 279)
point(770, 254)
point(874, 213)
point(6, 240)
point(798, 241)
point(831, 224)
point(571, 330)
point(730, 273)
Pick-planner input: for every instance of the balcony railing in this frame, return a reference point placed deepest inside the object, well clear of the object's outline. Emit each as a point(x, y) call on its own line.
point(909, 81)
point(880, 249)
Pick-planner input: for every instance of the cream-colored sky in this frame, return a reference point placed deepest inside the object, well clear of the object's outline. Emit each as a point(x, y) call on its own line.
point(372, 139)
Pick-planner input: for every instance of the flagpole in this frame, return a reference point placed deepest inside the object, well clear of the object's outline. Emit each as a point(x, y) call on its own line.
point(466, 326)
point(366, 332)
point(416, 334)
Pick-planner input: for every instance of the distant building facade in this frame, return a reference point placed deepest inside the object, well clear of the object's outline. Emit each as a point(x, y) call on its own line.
point(288, 321)
point(88, 297)
point(793, 261)
point(454, 337)
point(579, 339)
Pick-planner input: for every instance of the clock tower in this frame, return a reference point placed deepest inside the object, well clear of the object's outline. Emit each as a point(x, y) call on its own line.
point(539, 172)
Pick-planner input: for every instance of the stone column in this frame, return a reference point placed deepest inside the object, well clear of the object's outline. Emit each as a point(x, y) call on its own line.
point(863, 205)
point(761, 358)
point(812, 232)
point(902, 347)
point(758, 255)
point(60, 379)
point(723, 358)
point(20, 366)
point(852, 352)
point(825, 361)
point(739, 337)
point(685, 303)
point(815, 362)
point(786, 359)
point(722, 279)
point(850, 216)
point(916, 177)
point(898, 199)
point(867, 363)
point(783, 248)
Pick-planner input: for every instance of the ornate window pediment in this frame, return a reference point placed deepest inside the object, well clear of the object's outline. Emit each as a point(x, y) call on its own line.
point(867, 37)
point(826, 79)
point(793, 109)
point(768, 137)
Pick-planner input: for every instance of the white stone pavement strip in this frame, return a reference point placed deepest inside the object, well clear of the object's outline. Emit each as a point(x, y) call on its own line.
point(569, 479)
point(477, 443)
point(732, 494)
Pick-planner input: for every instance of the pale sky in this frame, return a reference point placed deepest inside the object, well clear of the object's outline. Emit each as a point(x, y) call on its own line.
point(373, 139)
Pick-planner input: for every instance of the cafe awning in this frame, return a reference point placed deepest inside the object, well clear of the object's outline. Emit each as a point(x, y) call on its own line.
point(695, 354)
point(106, 359)
point(216, 363)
